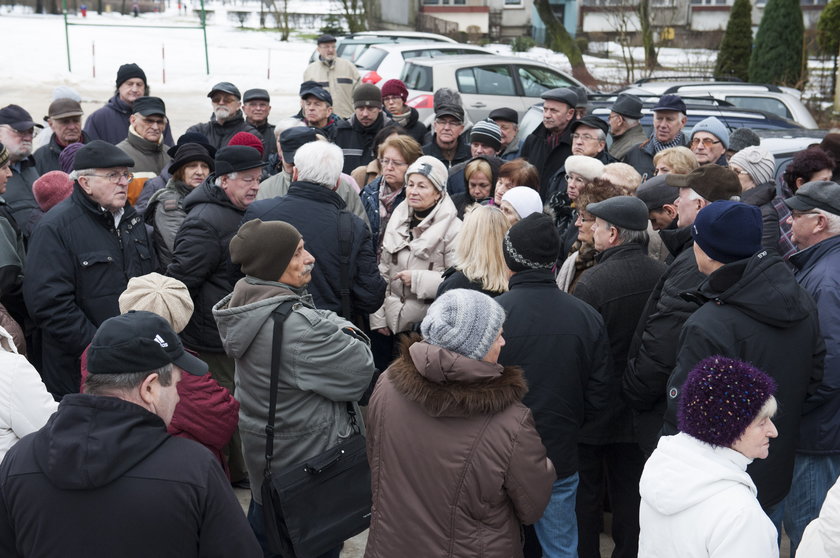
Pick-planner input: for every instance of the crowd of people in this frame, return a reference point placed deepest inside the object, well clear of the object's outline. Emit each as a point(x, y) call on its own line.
point(537, 330)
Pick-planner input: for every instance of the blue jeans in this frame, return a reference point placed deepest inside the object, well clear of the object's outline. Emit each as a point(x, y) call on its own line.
point(255, 518)
point(813, 477)
point(557, 529)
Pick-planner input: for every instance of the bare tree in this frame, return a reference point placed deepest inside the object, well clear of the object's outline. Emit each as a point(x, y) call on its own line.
point(558, 39)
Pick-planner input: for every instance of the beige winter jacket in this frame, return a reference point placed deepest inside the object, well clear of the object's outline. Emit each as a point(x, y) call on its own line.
point(339, 78)
point(428, 250)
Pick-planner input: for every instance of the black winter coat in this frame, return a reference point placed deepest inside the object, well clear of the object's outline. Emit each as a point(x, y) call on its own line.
point(653, 351)
point(62, 485)
point(762, 196)
point(462, 152)
point(46, 157)
point(218, 135)
point(356, 141)
point(77, 267)
point(618, 287)
point(562, 345)
point(548, 161)
point(754, 310)
point(370, 200)
point(314, 211)
point(413, 126)
point(110, 123)
point(19, 196)
point(455, 279)
point(201, 260)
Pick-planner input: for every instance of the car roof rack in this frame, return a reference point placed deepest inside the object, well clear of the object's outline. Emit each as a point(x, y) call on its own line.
point(687, 78)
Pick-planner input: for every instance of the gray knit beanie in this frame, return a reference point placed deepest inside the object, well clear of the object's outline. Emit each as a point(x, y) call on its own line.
point(463, 321)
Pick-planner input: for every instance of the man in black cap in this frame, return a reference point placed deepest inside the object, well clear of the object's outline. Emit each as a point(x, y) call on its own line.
point(110, 123)
point(81, 256)
point(625, 124)
point(447, 144)
point(548, 146)
point(201, 260)
point(660, 200)
point(355, 135)
point(668, 121)
point(337, 75)
point(227, 119)
point(316, 109)
point(508, 121)
point(256, 104)
point(16, 133)
point(144, 143)
point(617, 287)
point(64, 118)
point(108, 449)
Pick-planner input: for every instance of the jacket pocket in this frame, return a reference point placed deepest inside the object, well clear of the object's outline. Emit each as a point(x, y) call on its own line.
point(97, 275)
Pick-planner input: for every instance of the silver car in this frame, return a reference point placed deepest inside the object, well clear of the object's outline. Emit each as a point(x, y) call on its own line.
point(484, 82)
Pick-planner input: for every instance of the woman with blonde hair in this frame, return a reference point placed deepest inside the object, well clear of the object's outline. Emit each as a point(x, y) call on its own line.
point(674, 160)
point(479, 261)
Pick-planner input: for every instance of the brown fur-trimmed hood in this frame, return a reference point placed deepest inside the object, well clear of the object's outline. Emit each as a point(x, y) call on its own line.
point(445, 383)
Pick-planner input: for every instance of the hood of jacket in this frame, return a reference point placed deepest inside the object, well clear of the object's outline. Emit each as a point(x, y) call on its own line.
point(447, 384)
point(759, 195)
point(93, 440)
point(208, 192)
point(241, 315)
point(762, 287)
point(118, 105)
point(676, 240)
point(684, 472)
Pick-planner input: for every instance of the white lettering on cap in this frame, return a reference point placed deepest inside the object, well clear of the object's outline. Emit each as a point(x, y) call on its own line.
point(160, 341)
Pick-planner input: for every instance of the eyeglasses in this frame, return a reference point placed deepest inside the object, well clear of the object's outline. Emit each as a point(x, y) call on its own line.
point(391, 162)
point(708, 142)
point(797, 214)
point(391, 98)
point(159, 122)
point(114, 177)
point(585, 137)
point(444, 122)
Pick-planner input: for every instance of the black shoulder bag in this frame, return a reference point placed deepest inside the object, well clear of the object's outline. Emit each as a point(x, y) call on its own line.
point(314, 506)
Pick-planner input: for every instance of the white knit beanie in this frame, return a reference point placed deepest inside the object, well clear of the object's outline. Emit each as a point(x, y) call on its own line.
point(463, 321)
point(524, 200)
point(757, 161)
point(588, 167)
point(431, 168)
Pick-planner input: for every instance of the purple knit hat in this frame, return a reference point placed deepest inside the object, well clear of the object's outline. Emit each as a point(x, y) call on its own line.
point(68, 157)
point(720, 398)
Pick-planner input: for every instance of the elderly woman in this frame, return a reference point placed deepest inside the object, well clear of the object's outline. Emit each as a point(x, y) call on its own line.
point(674, 160)
point(385, 193)
point(165, 212)
point(480, 261)
point(480, 175)
point(580, 169)
point(418, 244)
point(519, 202)
point(456, 463)
point(756, 169)
point(518, 172)
point(697, 499)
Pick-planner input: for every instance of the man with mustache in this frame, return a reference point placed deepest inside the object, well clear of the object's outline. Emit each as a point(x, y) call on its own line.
point(227, 119)
point(16, 133)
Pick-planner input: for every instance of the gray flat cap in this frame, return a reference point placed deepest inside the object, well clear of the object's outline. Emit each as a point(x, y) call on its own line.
point(625, 212)
point(563, 95)
point(628, 105)
point(822, 194)
point(656, 192)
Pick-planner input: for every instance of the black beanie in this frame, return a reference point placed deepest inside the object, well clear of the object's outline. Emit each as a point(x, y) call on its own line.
point(264, 248)
point(532, 243)
point(128, 71)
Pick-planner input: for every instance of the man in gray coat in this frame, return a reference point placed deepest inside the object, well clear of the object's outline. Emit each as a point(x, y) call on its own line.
point(144, 143)
point(325, 361)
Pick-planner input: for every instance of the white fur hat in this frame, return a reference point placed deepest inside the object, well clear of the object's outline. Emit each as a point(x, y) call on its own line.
point(588, 167)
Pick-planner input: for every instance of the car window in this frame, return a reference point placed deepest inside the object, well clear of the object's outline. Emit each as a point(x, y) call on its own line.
point(766, 104)
point(371, 58)
point(417, 77)
point(424, 53)
point(485, 80)
point(536, 80)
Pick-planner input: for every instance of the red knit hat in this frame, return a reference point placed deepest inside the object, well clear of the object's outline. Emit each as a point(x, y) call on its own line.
point(51, 188)
point(249, 140)
point(395, 87)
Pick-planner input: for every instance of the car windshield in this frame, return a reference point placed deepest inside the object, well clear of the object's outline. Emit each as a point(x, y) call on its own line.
point(417, 77)
point(371, 58)
point(536, 80)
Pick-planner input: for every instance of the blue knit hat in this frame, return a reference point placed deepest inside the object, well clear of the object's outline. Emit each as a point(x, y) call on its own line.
point(463, 321)
point(713, 126)
point(728, 231)
point(720, 398)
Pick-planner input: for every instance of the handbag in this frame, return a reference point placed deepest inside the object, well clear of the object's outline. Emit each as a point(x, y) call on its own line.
point(313, 506)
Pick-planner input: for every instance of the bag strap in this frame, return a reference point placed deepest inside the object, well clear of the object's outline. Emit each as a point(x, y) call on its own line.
point(279, 316)
point(345, 242)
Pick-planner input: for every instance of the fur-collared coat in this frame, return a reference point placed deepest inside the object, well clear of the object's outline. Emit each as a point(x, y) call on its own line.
point(456, 462)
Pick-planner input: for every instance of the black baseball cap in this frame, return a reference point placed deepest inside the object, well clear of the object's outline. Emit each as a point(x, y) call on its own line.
point(139, 342)
point(148, 106)
point(17, 117)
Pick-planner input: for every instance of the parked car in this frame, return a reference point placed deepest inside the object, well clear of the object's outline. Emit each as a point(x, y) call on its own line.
point(380, 63)
point(784, 144)
point(354, 45)
point(783, 101)
point(484, 82)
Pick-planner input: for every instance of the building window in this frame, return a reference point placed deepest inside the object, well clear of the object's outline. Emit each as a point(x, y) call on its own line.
point(513, 3)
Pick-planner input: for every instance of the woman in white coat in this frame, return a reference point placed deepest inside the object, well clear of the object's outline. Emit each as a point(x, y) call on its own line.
point(697, 499)
point(418, 245)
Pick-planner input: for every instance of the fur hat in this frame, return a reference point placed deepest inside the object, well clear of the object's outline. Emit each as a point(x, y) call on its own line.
point(431, 168)
point(395, 87)
point(52, 188)
point(588, 167)
point(758, 162)
point(524, 200)
point(463, 321)
point(264, 248)
point(129, 71)
point(249, 139)
point(728, 231)
point(165, 296)
point(532, 243)
point(713, 126)
point(720, 398)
